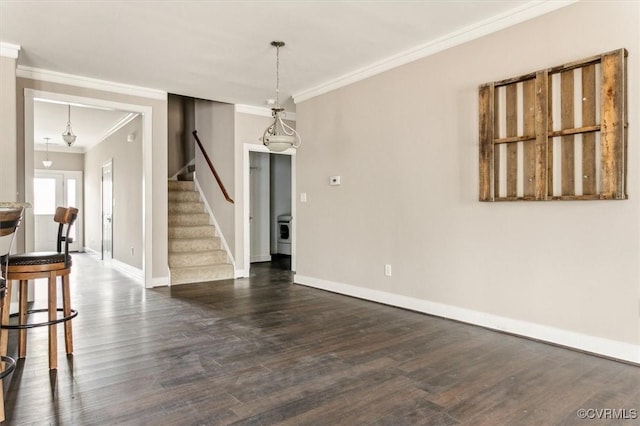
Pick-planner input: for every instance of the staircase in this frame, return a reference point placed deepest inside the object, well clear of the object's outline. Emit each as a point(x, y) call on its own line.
point(195, 251)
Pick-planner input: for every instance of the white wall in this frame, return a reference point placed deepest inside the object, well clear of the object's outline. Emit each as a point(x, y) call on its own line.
point(406, 145)
point(260, 211)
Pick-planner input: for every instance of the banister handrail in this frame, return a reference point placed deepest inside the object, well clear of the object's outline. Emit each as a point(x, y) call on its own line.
point(213, 169)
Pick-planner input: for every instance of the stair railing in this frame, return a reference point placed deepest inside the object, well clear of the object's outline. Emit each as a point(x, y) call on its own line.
point(213, 169)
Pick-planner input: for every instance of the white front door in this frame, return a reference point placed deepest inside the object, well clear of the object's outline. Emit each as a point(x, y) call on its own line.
point(52, 189)
point(48, 191)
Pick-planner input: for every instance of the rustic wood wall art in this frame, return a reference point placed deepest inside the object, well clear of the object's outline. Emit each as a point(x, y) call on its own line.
point(556, 134)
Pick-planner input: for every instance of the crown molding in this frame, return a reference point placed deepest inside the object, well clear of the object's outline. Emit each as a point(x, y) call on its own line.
point(9, 50)
point(262, 112)
point(530, 10)
point(89, 83)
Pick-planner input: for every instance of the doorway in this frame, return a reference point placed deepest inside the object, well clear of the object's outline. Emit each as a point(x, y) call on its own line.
point(54, 188)
point(146, 111)
point(269, 195)
point(107, 210)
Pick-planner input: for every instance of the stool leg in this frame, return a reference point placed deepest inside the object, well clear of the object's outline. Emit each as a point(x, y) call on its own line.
point(4, 339)
point(6, 307)
point(53, 314)
point(66, 307)
point(22, 319)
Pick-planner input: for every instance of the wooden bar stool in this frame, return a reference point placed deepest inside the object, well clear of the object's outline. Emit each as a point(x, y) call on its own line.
point(10, 218)
point(28, 266)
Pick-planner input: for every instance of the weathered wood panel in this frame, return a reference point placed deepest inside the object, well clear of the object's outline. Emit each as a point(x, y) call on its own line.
point(612, 126)
point(567, 122)
point(486, 124)
point(589, 138)
point(512, 149)
point(549, 164)
point(533, 177)
point(542, 144)
point(528, 128)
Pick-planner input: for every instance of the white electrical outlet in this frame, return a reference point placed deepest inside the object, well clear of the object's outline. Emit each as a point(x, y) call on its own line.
point(335, 180)
point(387, 270)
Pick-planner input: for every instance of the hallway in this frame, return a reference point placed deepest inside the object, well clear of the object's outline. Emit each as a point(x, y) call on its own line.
point(263, 351)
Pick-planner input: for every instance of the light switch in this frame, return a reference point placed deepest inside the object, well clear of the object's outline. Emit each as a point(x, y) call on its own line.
point(303, 197)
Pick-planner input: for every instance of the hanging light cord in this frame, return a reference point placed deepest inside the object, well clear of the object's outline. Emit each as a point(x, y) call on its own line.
point(278, 76)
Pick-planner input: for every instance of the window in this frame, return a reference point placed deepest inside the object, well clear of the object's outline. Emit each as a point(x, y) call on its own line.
point(556, 134)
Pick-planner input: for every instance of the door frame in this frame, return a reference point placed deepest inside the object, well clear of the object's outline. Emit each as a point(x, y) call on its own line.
point(247, 148)
point(30, 95)
point(79, 177)
point(109, 164)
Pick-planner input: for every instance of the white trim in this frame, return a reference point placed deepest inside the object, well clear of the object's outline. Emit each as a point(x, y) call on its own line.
point(92, 252)
point(147, 160)
point(261, 258)
point(597, 345)
point(130, 271)
point(183, 170)
point(9, 50)
point(89, 83)
point(213, 221)
point(160, 282)
point(246, 149)
point(240, 273)
point(262, 112)
point(529, 10)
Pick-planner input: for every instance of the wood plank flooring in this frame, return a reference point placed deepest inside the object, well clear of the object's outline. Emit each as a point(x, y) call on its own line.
point(262, 351)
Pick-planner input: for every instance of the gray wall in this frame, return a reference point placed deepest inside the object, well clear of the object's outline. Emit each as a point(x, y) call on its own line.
point(8, 131)
point(406, 144)
point(61, 160)
point(127, 194)
point(215, 123)
point(180, 142)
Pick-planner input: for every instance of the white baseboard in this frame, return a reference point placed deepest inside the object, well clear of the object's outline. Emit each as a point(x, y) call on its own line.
point(130, 271)
point(92, 253)
point(160, 282)
point(260, 258)
point(240, 273)
point(597, 345)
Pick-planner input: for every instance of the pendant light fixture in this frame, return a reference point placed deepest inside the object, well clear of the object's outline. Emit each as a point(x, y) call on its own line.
point(68, 135)
point(279, 136)
point(46, 162)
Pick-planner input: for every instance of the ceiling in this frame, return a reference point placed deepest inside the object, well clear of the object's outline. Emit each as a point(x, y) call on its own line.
point(220, 50)
point(91, 125)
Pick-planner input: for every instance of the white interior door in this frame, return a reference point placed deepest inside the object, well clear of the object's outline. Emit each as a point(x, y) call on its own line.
point(107, 211)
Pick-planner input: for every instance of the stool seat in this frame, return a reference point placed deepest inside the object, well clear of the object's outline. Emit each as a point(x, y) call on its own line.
point(39, 258)
point(45, 264)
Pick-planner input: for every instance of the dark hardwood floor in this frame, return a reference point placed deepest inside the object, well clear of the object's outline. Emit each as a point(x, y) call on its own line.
point(263, 351)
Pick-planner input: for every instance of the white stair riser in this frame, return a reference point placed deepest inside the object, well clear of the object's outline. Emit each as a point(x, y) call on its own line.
point(201, 274)
point(183, 245)
point(197, 258)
